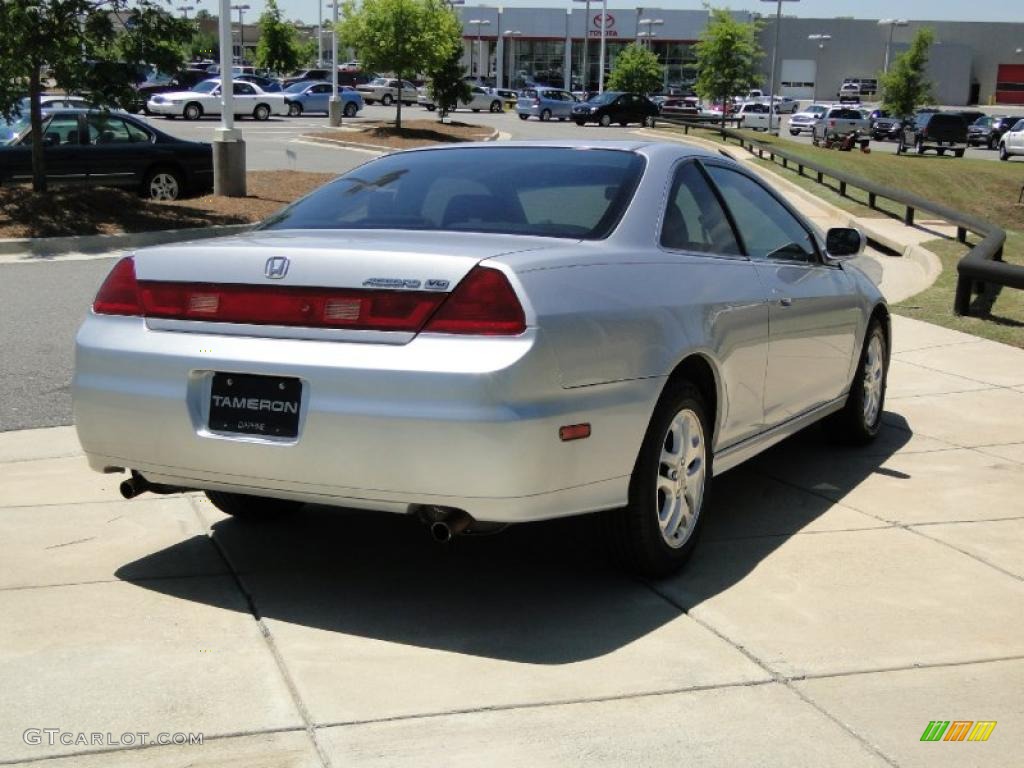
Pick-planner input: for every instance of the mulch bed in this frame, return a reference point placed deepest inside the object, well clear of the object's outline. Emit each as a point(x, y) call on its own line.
point(413, 133)
point(69, 212)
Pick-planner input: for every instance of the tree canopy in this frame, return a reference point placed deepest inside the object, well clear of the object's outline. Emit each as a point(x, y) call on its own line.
point(278, 49)
point(636, 70)
point(905, 86)
point(727, 56)
point(447, 83)
point(100, 48)
point(401, 36)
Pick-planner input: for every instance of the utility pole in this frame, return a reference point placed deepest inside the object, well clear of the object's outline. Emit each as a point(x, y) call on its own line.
point(775, 59)
point(334, 105)
point(241, 30)
point(228, 147)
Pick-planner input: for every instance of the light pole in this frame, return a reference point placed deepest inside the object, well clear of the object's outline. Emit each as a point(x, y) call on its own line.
point(320, 33)
point(820, 40)
point(648, 33)
point(892, 24)
point(241, 30)
point(185, 9)
point(334, 104)
point(775, 59)
point(228, 147)
point(512, 34)
point(479, 23)
point(586, 39)
point(600, 59)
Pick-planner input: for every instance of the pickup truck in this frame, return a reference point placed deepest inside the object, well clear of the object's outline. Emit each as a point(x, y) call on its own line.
point(386, 89)
point(838, 122)
point(754, 115)
point(940, 131)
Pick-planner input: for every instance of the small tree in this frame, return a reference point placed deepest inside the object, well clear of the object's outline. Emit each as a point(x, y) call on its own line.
point(636, 70)
point(447, 84)
point(727, 56)
point(401, 36)
point(203, 45)
point(904, 86)
point(278, 49)
point(98, 47)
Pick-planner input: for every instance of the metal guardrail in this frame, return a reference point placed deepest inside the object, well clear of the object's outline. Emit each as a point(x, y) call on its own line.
point(983, 264)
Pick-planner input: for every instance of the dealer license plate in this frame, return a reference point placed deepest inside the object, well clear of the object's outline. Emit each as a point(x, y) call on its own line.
point(255, 405)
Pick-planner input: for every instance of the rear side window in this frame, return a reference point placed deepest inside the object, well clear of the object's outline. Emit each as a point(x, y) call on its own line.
point(768, 229)
point(694, 219)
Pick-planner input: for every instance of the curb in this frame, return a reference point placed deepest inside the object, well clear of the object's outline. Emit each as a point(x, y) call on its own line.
point(43, 247)
point(494, 136)
point(929, 263)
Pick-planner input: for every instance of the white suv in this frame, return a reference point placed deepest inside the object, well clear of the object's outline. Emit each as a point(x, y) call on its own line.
point(1012, 142)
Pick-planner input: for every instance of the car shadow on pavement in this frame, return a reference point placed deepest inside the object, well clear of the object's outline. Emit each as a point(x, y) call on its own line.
point(539, 593)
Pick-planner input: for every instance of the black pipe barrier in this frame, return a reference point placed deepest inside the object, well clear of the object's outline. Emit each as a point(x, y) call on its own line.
point(982, 264)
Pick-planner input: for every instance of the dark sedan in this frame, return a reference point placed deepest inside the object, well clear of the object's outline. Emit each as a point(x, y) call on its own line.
point(615, 107)
point(887, 127)
point(94, 148)
point(987, 131)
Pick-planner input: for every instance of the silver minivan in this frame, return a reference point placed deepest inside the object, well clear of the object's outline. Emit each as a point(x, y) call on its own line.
point(545, 103)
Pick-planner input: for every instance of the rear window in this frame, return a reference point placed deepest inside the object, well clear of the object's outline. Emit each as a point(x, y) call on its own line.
point(846, 114)
point(543, 191)
point(946, 121)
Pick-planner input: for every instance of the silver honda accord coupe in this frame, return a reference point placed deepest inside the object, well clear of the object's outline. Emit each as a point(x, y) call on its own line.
point(488, 334)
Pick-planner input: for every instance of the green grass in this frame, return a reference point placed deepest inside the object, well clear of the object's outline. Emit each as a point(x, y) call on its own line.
point(983, 188)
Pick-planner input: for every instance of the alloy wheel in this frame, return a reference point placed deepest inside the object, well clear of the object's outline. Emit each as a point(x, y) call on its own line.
point(163, 186)
point(874, 373)
point(680, 481)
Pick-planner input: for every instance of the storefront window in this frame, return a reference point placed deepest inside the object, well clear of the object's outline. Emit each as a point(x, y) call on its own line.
point(535, 62)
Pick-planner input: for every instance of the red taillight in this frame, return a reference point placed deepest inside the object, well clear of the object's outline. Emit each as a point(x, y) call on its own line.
point(119, 294)
point(353, 309)
point(484, 304)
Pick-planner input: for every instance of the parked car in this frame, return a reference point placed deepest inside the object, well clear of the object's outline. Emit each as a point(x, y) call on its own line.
point(886, 127)
point(839, 122)
point(849, 93)
point(865, 86)
point(969, 115)
point(305, 75)
point(204, 99)
point(545, 104)
point(941, 131)
point(560, 315)
point(479, 99)
point(386, 90)
point(95, 148)
point(315, 97)
point(786, 105)
point(266, 84)
point(1012, 142)
point(804, 121)
point(616, 107)
point(161, 83)
point(986, 131)
point(755, 116)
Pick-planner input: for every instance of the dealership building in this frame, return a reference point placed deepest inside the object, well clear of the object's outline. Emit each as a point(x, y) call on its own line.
point(971, 62)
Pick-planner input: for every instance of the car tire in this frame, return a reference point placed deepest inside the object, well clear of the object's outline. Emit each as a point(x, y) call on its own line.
point(959, 152)
point(655, 534)
point(163, 183)
point(860, 420)
point(941, 152)
point(350, 109)
point(294, 109)
point(407, 103)
point(192, 111)
point(430, 107)
point(387, 100)
point(793, 133)
point(605, 121)
point(1003, 154)
point(545, 115)
point(476, 110)
point(261, 113)
point(253, 509)
point(496, 106)
point(919, 147)
point(649, 121)
point(900, 149)
point(581, 123)
point(992, 144)
point(523, 117)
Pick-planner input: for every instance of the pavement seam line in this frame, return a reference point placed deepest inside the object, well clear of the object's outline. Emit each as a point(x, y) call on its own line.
point(971, 555)
point(140, 747)
point(988, 384)
point(268, 639)
point(784, 680)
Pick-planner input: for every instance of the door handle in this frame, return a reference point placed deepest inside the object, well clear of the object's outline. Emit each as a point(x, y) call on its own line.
point(786, 302)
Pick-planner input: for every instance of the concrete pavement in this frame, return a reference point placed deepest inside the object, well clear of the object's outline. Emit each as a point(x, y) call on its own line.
point(840, 600)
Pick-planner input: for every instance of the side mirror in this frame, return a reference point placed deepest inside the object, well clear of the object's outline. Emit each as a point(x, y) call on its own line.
point(844, 242)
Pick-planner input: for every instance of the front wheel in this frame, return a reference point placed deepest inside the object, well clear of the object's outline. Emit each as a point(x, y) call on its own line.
point(605, 121)
point(1003, 154)
point(522, 116)
point(861, 418)
point(793, 133)
point(959, 153)
point(251, 508)
point(495, 106)
point(919, 147)
point(545, 115)
point(386, 100)
point(649, 121)
point(581, 123)
point(658, 530)
point(192, 111)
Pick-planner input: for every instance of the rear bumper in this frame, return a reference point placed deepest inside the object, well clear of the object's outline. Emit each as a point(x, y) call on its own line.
point(459, 422)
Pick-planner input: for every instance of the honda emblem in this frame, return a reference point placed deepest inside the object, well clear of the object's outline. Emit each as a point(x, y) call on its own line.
point(277, 267)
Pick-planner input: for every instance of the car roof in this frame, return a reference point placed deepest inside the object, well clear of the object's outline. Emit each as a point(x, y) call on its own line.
point(655, 149)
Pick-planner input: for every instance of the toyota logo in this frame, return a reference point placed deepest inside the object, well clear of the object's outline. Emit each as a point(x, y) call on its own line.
point(609, 21)
point(276, 268)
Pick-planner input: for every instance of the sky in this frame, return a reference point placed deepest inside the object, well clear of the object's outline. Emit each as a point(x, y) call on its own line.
point(955, 10)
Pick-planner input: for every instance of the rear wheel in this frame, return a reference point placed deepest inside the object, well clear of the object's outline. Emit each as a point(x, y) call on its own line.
point(522, 116)
point(861, 418)
point(386, 100)
point(959, 152)
point(495, 106)
point(163, 184)
point(581, 123)
point(1003, 154)
point(919, 147)
point(192, 111)
point(605, 121)
point(545, 115)
point(649, 121)
point(294, 109)
point(657, 532)
point(251, 508)
point(793, 133)
point(942, 152)
point(261, 113)
point(350, 109)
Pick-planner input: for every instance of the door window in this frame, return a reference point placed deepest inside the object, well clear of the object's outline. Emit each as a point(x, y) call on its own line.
point(694, 219)
point(111, 130)
point(58, 132)
point(243, 89)
point(767, 228)
point(320, 89)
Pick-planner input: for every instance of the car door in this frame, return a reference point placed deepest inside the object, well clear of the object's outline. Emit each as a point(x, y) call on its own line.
point(813, 308)
point(245, 98)
point(565, 104)
point(119, 151)
point(63, 152)
point(716, 277)
point(318, 97)
point(1015, 138)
